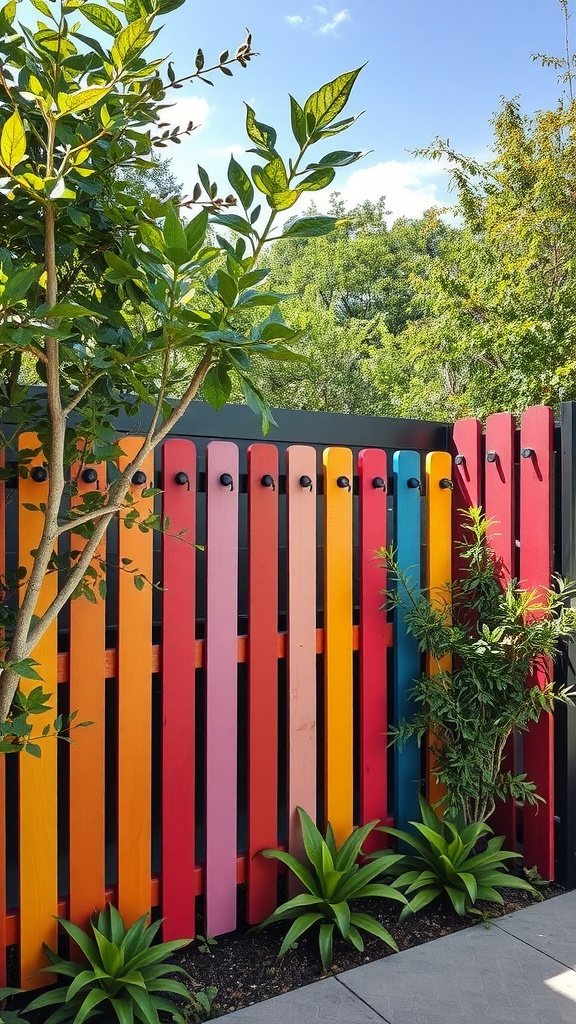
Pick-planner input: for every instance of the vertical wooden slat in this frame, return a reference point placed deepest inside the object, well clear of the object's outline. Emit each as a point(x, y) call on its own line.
point(438, 575)
point(178, 689)
point(407, 513)
point(87, 697)
point(135, 701)
point(221, 686)
point(262, 679)
point(536, 442)
point(338, 703)
point(301, 652)
point(38, 776)
point(499, 501)
point(2, 759)
point(372, 471)
point(467, 479)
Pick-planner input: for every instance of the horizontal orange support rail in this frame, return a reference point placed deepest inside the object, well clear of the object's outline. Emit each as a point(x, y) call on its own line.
point(111, 656)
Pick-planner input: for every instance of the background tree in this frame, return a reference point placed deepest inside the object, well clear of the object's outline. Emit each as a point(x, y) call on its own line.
point(98, 285)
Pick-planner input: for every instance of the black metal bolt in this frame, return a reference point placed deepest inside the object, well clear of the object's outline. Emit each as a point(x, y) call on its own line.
point(446, 484)
point(139, 478)
point(413, 482)
point(89, 475)
point(460, 460)
point(343, 482)
point(527, 453)
point(227, 481)
point(379, 483)
point(305, 481)
point(268, 481)
point(39, 474)
point(491, 456)
point(182, 478)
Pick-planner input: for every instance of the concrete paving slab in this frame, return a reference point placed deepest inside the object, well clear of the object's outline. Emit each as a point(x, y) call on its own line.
point(326, 1000)
point(474, 975)
point(549, 927)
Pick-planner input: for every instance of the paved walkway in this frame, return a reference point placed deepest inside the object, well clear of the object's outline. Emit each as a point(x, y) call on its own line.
point(520, 970)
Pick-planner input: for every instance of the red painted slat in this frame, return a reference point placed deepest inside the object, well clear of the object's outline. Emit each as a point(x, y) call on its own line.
point(499, 501)
point(178, 690)
point(466, 476)
point(372, 470)
point(537, 431)
point(301, 639)
point(262, 678)
point(2, 759)
point(221, 686)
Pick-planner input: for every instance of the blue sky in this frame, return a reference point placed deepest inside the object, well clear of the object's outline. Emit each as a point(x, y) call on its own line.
point(435, 67)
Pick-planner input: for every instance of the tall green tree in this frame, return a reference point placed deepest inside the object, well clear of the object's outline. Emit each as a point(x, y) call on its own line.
point(98, 285)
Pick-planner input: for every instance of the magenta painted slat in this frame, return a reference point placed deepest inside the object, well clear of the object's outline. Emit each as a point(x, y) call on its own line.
point(221, 685)
point(178, 689)
point(372, 470)
point(536, 446)
point(301, 651)
point(499, 507)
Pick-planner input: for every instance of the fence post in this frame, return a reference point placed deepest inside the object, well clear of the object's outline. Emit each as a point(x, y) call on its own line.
point(566, 713)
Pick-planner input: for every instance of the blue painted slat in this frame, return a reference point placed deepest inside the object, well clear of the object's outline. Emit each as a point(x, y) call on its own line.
point(407, 516)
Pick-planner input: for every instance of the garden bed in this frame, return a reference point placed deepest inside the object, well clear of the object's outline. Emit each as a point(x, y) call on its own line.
point(243, 965)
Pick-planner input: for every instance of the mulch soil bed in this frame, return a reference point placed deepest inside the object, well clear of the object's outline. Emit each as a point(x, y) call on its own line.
point(243, 965)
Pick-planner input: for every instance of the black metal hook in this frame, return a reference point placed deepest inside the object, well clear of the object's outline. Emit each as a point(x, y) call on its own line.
point(460, 460)
point(378, 483)
point(268, 481)
point(139, 478)
point(527, 453)
point(414, 482)
point(491, 456)
point(305, 481)
point(89, 475)
point(227, 481)
point(446, 484)
point(39, 474)
point(344, 483)
point(182, 478)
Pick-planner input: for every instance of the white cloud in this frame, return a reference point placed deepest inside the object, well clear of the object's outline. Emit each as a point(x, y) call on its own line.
point(410, 187)
point(188, 108)
point(235, 149)
point(294, 19)
point(319, 10)
point(338, 19)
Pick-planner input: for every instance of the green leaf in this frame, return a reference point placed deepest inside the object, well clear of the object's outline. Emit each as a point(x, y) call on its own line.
point(312, 839)
point(13, 141)
point(174, 233)
point(326, 103)
point(131, 41)
point(310, 227)
point(271, 178)
point(112, 956)
point(295, 866)
point(298, 120)
point(25, 668)
point(241, 183)
point(93, 999)
point(234, 222)
point(103, 18)
point(69, 311)
point(317, 180)
point(33, 749)
point(217, 386)
point(340, 158)
point(369, 924)
point(342, 915)
point(301, 925)
point(83, 99)
point(195, 232)
point(325, 943)
point(263, 135)
point(7, 15)
point(350, 849)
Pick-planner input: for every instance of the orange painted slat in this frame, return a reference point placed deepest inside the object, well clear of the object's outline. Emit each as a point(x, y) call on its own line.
point(38, 776)
point(87, 697)
point(301, 640)
point(2, 759)
point(338, 700)
point(134, 703)
point(438, 571)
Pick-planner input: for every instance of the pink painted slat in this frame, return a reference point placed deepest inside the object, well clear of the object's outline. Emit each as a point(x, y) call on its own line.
point(221, 686)
point(372, 470)
point(499, 505)
point(536, 433)
point(466, 477)
point(178, 691)
point(262, 679)
point(301, 651)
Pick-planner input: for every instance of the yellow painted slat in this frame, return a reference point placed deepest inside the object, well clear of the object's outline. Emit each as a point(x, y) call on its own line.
point(438, 570)
point(338, 700)
point(38, 776)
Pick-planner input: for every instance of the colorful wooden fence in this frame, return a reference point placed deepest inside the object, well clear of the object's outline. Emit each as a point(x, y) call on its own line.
point(322, 511)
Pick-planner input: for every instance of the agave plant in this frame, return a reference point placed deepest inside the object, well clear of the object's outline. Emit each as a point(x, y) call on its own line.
point(445, 862)
point(122, 977)
point(10, 1016)
point(331, 878)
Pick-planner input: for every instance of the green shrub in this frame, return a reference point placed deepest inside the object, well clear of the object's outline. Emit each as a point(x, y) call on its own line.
point(121, 977)
point(445, 862)
point(332, 878)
